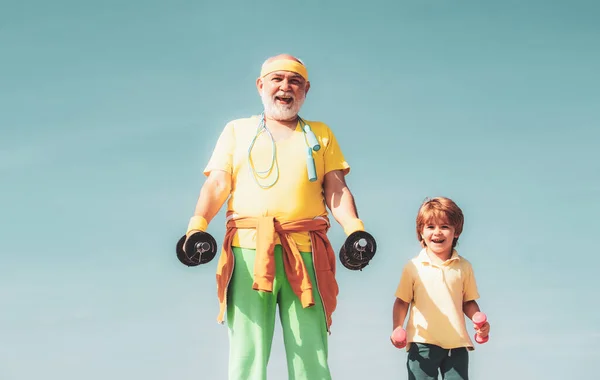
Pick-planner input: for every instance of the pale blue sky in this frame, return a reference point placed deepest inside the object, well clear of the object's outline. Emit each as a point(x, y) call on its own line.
point(110, 109)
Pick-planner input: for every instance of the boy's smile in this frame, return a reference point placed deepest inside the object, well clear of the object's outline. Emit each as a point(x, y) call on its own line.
point(438, 236)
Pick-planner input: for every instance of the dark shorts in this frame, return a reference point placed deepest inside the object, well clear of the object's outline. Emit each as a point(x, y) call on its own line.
point(427, 361)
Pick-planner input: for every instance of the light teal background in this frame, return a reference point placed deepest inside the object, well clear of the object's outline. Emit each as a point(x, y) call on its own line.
point(110, 109)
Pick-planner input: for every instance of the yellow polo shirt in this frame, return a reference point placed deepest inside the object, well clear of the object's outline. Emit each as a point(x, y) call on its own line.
point(293, 196)
point(436, 291)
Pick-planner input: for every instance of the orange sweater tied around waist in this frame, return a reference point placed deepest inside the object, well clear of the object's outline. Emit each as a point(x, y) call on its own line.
point(267, 229)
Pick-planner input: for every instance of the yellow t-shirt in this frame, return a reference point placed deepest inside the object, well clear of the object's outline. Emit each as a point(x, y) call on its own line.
point(293, 196)
point(436, 292)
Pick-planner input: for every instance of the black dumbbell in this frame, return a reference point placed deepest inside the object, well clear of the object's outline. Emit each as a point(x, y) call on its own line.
point(200, 248)
point(358, 249)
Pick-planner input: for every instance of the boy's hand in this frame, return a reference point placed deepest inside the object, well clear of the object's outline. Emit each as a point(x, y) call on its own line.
point(398, 337)
point(482, 330)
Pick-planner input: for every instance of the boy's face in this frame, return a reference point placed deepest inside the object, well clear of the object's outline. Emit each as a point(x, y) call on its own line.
point(438, 236)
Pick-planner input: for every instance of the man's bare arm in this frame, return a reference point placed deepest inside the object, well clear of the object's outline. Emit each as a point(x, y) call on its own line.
point(340, 201)
point(213, 195)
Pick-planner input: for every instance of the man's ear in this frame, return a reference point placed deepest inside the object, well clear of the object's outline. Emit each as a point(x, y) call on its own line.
point(307, 87)
point(259, 85)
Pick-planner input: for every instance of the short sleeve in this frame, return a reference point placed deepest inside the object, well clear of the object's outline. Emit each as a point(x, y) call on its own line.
point(470, 291)
point(405, 289)
point(333, 156)
point(222, 156)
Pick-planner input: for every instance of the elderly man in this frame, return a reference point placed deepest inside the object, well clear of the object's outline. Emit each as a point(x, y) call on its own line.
point(279, 172)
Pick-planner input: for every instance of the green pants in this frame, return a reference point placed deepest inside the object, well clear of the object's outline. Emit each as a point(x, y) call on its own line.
point(425, 361)
point(251, 322)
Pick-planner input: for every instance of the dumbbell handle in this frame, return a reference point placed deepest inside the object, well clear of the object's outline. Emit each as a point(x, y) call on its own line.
point(360, 244)
point(479, 320)
point(201, 247)
point(399, 337)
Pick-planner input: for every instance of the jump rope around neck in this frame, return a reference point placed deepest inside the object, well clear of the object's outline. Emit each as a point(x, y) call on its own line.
point(312, 144)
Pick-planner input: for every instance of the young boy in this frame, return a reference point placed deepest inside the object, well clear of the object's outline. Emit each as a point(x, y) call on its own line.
point(440, 286)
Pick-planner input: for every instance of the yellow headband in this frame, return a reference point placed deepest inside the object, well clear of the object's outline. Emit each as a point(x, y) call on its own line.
point(284, 65)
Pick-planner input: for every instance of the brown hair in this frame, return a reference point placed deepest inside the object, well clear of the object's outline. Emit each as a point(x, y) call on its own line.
point(441, 209)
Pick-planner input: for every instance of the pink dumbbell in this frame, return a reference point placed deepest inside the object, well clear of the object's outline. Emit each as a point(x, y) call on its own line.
point(479, 319)
point(399, 336)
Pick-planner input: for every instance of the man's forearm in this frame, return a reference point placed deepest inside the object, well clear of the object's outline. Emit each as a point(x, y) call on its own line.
point(213, 195)
point(342, 206)
point(344, 211)
point(340, 201)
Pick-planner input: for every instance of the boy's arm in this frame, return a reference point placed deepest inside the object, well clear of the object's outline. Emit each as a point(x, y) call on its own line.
point(470, 308)
point(398, 337)
point(404, 296)
point(399, 313)
point(404, 291)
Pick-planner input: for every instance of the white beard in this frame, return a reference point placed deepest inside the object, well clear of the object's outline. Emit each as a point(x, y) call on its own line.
point(281, 111)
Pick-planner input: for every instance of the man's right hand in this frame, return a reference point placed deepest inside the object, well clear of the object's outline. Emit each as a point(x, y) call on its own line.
point(187, 236)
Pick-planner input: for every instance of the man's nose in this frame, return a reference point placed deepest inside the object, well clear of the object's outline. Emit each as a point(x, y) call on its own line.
point(284, 85)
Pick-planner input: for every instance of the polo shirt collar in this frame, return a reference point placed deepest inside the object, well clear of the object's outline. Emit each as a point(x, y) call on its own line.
point(424, 257)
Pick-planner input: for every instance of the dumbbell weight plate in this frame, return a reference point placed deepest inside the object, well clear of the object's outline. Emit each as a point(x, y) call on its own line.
point(368, 249)
point(200, 249)
point(353, 254)
point(181, 255)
